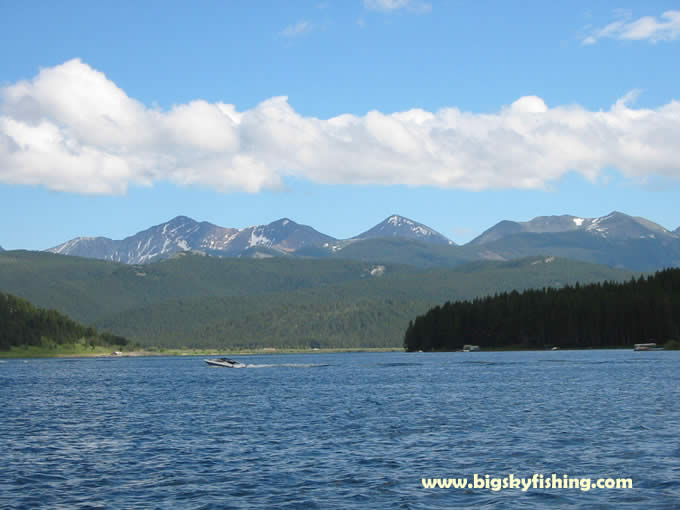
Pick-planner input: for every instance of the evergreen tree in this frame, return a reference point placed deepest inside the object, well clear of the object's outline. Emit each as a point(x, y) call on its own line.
point(610, 314)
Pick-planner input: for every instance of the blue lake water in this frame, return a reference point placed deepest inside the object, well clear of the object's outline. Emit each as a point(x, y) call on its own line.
point(356, 430)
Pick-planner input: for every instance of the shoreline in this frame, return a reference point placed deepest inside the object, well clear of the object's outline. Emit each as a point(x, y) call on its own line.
point(36, 354)
point(105, 353)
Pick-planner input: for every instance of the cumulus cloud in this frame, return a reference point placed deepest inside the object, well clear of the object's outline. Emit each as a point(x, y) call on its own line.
point(650, 28)
point(394, 5)
point(72, 129)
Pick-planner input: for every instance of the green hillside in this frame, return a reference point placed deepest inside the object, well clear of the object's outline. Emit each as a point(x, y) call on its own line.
point(366, 313)
point(405, 251)
point(24, 325)
point(642, 254)
point(198, 301)
point(637, 254)
point(88, 289)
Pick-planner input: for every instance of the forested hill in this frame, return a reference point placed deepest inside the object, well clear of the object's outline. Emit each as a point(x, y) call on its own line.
point(22, 324)
point(598, 315)
point(206, 302)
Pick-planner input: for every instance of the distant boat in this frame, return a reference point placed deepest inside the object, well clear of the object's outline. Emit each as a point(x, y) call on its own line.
point(225, 362)
point(470, 348)
point(647, 347)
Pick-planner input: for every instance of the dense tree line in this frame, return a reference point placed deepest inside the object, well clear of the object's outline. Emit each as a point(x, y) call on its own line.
point(22, 324)
point(295, 320)
point(606, 314)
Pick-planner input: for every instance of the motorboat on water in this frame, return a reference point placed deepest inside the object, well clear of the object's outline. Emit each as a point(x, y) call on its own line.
point(225, 362)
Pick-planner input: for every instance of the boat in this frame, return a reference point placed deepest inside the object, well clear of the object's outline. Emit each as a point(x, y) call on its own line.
point(647, 347)
point(470, 348)
point(225, 362)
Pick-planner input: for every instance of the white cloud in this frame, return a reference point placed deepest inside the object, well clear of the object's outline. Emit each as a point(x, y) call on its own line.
point(650, 28)
point(394, 5)
point(298, 28)
point(73, 129)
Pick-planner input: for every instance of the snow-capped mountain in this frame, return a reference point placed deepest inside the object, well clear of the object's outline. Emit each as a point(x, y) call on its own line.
point(185, 234)
point(398, 226)
point(614, 226)
point(179, 234)
point(283, 235)
point(616, 239)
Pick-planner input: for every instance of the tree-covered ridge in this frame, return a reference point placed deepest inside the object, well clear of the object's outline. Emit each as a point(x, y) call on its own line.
point(206, 302)
point(371, 312)
point(90, 289)
point(606, 314)
point(22, 324)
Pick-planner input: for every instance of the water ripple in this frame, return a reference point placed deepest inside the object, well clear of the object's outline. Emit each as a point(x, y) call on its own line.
point(359, 432)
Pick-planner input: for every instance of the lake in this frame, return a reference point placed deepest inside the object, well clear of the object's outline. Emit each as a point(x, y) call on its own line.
point(353, 430)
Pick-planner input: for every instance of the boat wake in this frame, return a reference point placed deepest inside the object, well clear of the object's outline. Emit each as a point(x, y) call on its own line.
point(290, 365)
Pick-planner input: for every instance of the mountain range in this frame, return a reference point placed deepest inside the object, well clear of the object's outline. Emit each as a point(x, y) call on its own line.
point(196, 284)
point(617, 239)
point(281, 237)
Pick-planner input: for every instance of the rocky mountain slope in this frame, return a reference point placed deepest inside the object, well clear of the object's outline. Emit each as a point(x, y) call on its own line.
point(616, 239)
point(281, 237)
point(185, 234)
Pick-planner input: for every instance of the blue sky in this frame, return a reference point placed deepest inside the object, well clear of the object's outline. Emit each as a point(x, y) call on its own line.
point(336, 114)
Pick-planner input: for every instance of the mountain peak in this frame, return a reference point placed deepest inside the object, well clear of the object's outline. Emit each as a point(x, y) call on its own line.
point(395, 219)
point(615, 225)
point(179, 220)
point(400, 226)
point(618, 225)
point(283, 222)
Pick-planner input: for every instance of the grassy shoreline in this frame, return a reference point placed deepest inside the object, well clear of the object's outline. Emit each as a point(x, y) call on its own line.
point(77, 351)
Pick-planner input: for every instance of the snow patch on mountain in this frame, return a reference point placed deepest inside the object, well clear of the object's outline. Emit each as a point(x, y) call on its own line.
point(257, 239)
point(398, 220)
